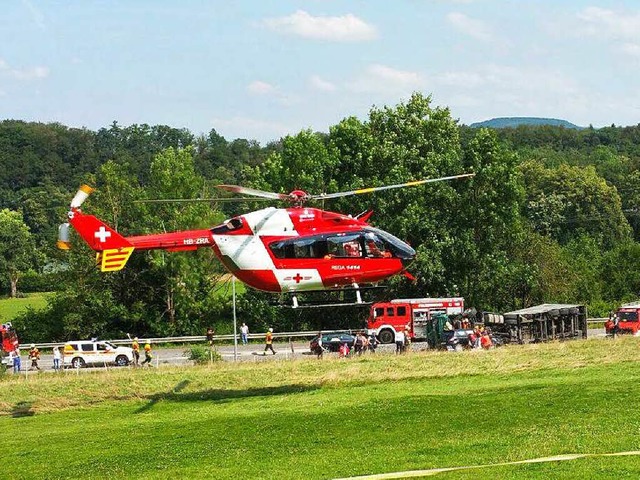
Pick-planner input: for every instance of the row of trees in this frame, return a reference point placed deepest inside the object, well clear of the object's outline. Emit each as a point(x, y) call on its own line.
point(545, 219)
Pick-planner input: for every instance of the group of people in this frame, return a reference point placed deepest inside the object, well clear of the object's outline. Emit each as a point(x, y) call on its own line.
point(480, 338)
point(34, 358)
point(148, 354)
point(360, 344)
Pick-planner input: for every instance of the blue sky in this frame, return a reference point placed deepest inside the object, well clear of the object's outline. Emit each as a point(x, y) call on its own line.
point(266, 68)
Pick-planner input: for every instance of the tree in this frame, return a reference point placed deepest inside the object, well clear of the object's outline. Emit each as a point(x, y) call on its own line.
point(571, 201)
point(17, 248)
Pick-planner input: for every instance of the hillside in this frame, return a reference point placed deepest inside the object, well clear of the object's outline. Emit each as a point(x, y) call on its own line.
point(512, 122)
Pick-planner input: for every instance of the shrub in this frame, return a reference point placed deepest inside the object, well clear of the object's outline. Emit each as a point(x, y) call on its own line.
point(202, 355)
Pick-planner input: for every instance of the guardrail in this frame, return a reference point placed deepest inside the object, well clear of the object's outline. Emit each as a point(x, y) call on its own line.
point(251, 336)
point(199, 338)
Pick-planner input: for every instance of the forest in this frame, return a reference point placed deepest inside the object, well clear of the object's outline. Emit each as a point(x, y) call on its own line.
point(551, 215)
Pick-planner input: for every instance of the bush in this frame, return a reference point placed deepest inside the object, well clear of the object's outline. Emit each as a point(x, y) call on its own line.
point(201, 355)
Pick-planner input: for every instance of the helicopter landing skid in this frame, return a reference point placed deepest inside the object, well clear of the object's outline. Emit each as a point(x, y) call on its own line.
point(340, 302)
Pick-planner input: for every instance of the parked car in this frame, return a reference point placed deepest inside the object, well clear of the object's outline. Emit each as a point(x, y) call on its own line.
point(85, 352)
point(332, 341)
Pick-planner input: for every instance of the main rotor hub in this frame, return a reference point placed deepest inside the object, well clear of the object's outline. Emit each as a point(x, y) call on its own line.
point(298, 197)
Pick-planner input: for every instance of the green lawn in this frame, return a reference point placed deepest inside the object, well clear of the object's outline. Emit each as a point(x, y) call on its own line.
point(11, 307)
point(334, 418)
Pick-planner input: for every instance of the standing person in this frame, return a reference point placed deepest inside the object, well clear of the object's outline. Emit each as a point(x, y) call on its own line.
point(616, 326)
point(135, 346)
point(34, 356)
point(210, 333)
point(407, 338)
point(319, 350)
point(244, 332)
point(148, 356)
point(268, 342)
point(56, 358)
point(17, 363)
point(399, 342)
point(485, 340)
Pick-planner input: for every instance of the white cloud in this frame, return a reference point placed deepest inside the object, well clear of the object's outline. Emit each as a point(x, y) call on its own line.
point(600, 22)
point(632, 49)
point(24, 73)
point(470, 26)
point(347, 28)
point(260, 88)
point(320, 84)
point(384, 79)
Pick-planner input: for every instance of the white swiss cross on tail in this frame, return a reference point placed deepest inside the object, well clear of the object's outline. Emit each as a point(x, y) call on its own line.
point(102, 234)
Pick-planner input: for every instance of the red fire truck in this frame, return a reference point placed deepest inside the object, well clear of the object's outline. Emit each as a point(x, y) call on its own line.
point(628, 317)
point(9, 340)
point(385, 318)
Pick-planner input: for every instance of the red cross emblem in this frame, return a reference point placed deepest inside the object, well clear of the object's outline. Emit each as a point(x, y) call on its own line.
point(298, 278)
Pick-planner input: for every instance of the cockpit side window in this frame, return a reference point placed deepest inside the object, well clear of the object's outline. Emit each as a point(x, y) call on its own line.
point(341, 246)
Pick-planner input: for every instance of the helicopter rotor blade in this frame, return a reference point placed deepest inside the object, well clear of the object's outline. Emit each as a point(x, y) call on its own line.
point(325, 196)
point(253, 192)
point(197, 200)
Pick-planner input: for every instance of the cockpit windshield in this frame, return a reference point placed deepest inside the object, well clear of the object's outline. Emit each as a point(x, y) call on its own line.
point(397, 247)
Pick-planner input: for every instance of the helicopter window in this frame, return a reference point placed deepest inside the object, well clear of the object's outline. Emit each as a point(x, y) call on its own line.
point(304, 248)
point(282, 249)
point(314, 247)
point(228, 226)
point(344, 246)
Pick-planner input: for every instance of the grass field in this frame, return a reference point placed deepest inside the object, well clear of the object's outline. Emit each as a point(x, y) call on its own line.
point(334, 418)
point(11, 307)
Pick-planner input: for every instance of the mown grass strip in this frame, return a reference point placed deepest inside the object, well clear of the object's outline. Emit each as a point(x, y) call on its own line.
point(330, 419)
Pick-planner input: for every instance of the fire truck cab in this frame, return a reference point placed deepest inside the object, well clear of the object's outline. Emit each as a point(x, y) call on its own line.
point(387, 318)
point(628, 317)
point(9, 340)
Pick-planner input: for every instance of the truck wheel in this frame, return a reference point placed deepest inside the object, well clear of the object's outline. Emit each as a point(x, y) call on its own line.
point(122, 361)
point(386, 336)
point(77, 363)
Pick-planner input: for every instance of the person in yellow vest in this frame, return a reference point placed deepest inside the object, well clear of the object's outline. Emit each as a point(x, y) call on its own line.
point(34, 356)
point(136, 352)
point(268, 340)
point(148, 356)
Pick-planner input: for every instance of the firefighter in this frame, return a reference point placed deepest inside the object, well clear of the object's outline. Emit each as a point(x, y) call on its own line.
point(136, 352)
point(210, 333)
point(268, 342)
point(148, 356)
point(34, 356)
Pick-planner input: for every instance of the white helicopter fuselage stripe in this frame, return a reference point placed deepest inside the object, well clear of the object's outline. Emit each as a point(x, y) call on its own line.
point(249, 252)
point(271, 222)
point(300, 279)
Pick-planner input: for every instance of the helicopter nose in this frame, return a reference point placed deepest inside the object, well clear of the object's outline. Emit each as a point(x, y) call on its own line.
point(407, 256)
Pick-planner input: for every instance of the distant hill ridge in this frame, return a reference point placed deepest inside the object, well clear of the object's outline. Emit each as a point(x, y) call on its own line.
point(511, 122)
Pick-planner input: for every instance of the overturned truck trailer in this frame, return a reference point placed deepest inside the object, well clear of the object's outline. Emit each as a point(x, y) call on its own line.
point(549, 321)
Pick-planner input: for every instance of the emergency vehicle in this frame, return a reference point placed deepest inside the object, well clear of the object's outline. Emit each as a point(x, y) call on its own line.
point(9, 340)
point(387, 318)
point(628, 318)
point(82, 353)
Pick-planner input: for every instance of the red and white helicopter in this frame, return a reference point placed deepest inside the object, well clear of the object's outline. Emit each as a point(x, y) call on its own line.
point(279, 250)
